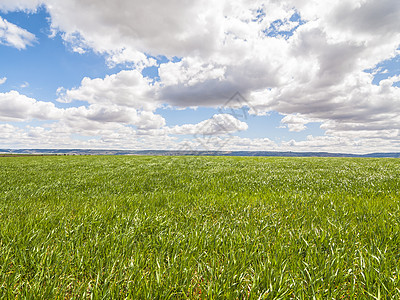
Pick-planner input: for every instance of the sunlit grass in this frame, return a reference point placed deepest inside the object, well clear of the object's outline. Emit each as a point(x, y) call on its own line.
point(199, 227)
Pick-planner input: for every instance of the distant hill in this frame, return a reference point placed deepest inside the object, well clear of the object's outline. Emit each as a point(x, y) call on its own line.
point(180, 153)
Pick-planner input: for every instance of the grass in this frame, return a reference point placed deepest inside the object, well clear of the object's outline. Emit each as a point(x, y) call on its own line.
point(199, 227)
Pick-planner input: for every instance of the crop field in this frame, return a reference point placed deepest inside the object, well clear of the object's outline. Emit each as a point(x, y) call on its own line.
point(136, 227)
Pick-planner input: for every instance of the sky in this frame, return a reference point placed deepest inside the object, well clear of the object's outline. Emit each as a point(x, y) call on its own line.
point(287, 75)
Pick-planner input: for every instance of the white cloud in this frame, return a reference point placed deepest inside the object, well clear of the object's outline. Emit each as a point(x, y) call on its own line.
point(296, 122)
point(189, 72)
point(3, 80)
point(17, 107)
point(315, 74)
point(134, 58)
point(99, 116)
point(25, 85)
point(14, 36)
point(58, 135)
point(24, 5)
point(112, 25)
point(126, 88)
point(229, 143)
point(220, 124)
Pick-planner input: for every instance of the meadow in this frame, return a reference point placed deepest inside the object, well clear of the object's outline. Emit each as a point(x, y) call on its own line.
point(137, 227)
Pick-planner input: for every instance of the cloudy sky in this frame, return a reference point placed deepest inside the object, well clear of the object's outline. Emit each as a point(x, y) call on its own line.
point(277, 75)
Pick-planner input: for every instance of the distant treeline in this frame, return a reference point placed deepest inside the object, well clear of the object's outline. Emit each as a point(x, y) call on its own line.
point(14, 152)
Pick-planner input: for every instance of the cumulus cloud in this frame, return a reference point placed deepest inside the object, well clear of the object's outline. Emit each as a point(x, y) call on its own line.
point(24, 5)
point(17, 107)
point(57, 135)
point(133, 58)
point(220, 124)
point(354, 104)
point(303, 59)
point(296, 122)
point(98, 116)
point(126, 88)
point(3, 80)
point(14, 36)
point(111, 25)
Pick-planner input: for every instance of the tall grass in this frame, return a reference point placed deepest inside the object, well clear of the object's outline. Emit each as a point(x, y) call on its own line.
point(199, 227)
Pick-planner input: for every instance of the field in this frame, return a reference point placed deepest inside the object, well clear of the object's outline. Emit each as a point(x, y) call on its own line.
point(199, 227)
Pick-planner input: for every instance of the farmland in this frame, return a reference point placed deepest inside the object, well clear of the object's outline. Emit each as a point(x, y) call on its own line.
point(199, 227)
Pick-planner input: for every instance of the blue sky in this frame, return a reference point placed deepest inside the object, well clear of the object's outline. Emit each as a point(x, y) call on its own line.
point(49, 63)
point(77, 76)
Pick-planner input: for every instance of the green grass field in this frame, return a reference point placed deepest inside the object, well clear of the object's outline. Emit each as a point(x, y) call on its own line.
point(199, 227)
